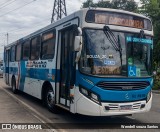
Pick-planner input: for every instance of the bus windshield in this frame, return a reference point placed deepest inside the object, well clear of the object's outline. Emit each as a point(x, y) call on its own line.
point(100, 57)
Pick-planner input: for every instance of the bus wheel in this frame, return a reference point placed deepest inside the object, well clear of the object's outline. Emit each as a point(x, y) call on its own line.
point(14, 90)
point(50, 100)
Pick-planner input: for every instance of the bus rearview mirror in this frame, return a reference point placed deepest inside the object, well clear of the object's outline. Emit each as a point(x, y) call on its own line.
point(79, 31)
point(78, 47)
point(77, 43)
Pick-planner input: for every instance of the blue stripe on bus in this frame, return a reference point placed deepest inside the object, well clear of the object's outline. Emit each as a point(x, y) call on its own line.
point(113, 95)
point(89, 83)
point(33, 73)
point(11, 70)
point(41, 74)
point(6, 69)
point(22, 76)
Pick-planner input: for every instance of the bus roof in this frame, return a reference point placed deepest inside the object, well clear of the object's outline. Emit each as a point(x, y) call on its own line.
point(73, 15)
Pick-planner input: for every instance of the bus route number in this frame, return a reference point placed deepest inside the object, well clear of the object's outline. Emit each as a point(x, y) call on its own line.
point(106, 70)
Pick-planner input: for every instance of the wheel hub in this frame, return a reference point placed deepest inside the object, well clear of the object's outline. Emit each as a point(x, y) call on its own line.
point(50, 98)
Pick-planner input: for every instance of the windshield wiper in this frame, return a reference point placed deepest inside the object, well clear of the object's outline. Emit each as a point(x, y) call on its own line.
point(112, 40)
point(115, 43)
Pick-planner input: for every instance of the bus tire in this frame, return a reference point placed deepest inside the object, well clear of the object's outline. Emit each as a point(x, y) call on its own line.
point(50, 100)
point(14, 90)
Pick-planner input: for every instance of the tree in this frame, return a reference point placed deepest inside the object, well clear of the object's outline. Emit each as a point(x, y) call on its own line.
point(129, 5)
point(104, 4)
point(88, 3)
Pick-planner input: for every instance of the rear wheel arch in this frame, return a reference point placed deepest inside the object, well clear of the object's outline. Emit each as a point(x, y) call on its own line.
point(45, 86)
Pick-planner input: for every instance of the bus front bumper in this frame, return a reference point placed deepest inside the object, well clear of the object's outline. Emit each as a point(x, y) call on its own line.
point(86, 106)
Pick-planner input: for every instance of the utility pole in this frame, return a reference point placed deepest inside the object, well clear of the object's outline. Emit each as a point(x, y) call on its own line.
point(59, 10)
point(7, 38)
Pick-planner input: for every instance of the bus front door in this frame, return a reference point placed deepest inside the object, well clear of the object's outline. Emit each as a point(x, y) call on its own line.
point(66, 65)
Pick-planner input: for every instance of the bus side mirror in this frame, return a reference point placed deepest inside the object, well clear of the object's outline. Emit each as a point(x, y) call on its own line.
point(77, 43)
point(78, 47)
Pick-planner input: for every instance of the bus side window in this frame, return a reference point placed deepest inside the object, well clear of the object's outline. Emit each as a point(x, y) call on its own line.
point(48, 45)
point(12, 58)
point(26, 50)
point(35, 48)
point(18, 52)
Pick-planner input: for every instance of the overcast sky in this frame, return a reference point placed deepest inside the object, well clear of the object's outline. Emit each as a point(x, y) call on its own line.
point(19, 21)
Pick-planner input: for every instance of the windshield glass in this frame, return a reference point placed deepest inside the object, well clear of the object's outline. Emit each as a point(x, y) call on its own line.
point(100, 57)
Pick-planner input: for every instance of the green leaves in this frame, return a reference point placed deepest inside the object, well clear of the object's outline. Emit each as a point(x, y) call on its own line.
point(88, 3)
point(129, 5)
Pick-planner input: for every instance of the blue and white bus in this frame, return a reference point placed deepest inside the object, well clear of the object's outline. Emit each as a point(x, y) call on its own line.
point(94, 62)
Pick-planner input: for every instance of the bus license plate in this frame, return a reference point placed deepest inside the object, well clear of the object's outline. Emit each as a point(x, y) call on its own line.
point(126, 107)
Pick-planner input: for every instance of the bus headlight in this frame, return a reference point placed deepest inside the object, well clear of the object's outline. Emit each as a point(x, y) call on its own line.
point(84, 91)
point(93, 96)
point(89, 94)
point(148, 96)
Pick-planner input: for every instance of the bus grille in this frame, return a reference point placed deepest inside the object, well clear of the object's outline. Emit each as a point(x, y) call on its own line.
point(123, 85)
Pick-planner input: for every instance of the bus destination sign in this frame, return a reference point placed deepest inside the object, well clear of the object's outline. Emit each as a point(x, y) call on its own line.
point(118, 19)
point(102, 18)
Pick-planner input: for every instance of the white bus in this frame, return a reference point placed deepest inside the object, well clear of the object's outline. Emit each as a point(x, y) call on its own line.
point(93, 62)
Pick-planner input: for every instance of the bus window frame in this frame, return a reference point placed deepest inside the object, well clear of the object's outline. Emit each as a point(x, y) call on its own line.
point(54, 33)
point(13, 46)
point(20, 52)
point(39, 37)
point(29, 49)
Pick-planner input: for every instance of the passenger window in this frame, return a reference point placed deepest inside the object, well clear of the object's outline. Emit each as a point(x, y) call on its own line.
point(18, 52)
point(13, 49)
point(48, 45)
point(26, 50)
point(35, 48)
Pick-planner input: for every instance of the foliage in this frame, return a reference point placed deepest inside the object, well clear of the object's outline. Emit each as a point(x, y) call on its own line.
point(88, 3)
point(129, 5)
point(156, 85)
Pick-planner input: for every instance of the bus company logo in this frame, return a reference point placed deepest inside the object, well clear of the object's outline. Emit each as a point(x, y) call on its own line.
point(126, 96)
point(35, 64)
point(127, 87)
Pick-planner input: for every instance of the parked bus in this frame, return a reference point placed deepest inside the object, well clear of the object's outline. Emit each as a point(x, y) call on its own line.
point(94, 62)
